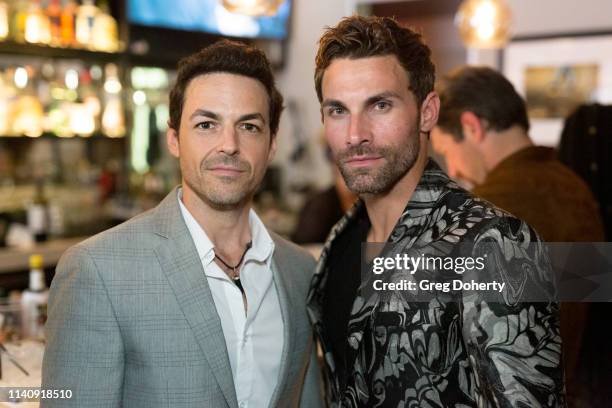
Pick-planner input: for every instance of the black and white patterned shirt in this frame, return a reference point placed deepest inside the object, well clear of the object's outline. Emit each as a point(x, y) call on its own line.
point(461, 350)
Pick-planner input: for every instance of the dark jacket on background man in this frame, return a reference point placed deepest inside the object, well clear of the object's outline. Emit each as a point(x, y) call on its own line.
point(535, 186)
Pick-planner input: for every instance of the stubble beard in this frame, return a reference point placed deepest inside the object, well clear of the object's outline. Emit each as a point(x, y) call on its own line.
point(398, 160)
point(222, 193)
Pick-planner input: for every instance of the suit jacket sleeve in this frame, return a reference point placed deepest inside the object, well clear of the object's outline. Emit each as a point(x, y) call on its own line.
point(312, 390)
point(312, 395)
point(513, 337)
point(84, 350)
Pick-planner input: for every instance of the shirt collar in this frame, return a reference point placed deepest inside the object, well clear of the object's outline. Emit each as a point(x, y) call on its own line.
point(262, 244)
point(432, 186)
point(426, 200)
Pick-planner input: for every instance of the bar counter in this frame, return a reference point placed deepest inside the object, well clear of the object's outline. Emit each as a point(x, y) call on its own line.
point(17, 259)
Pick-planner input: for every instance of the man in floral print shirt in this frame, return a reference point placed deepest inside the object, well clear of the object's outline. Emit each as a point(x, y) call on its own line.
point(387, 348)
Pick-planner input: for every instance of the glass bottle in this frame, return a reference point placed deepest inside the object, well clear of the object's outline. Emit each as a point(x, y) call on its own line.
point(54, 14)
point(67, 21)
point(34, 300)
point(37, 26)
point(113, 117)
point(105, 33)
point(85, 17)
point(88, 95)
point(38, 214)
point(27, 113)
point(5, 96)
point(4, 20)
point(19, 13)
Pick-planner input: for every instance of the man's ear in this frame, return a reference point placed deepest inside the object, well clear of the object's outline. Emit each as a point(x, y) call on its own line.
point(472, 127)
point(430, 108)
point(273, 146)
point(172, 140)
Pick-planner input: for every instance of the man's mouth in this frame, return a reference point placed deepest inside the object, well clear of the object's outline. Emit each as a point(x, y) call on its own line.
point(224, 170)
point(362, 160)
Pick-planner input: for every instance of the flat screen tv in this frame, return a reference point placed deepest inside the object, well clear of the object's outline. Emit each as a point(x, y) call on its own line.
point(207, 16)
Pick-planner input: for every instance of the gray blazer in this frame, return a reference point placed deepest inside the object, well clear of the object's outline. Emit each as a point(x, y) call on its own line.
point(132, 322)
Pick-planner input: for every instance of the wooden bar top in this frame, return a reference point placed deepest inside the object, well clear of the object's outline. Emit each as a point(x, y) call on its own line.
point(17, 259)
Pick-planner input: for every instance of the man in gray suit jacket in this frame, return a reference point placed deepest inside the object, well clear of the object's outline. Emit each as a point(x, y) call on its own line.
point(193, 303)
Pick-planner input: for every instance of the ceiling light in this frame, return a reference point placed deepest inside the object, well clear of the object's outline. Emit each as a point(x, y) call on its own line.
point(484, 23)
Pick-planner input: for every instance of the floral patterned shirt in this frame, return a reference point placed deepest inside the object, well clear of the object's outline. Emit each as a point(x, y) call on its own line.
point(460, 350)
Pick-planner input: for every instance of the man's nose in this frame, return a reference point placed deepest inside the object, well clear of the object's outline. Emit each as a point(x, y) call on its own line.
point(229, 142)
point(359, 131)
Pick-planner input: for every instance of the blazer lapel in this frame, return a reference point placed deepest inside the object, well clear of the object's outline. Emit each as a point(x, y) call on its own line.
point(182, 266)
point(281, 262)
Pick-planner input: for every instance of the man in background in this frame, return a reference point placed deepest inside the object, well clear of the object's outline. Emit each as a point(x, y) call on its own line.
point(194, 303)
point(482, 133)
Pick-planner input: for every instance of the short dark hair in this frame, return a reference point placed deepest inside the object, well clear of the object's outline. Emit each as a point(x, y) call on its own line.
point(230, 57)
point(484, 92)
point(361, 37)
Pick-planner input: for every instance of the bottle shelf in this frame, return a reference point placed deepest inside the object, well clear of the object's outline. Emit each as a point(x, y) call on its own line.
point(52, 136)
point(45, 51)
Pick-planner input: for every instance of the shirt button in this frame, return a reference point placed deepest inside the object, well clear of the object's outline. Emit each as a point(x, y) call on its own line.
point(243, 404)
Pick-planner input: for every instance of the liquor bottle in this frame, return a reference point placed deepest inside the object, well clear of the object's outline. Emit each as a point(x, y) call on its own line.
point(34, 301)
point(27, 112)
point(5, 97)
point(113, 119)
point(90, 100)
point(19, 12)
point(57, 107)
point(54, 14)
point(85, 17)
point(4, 20)
point(105, 33)
point(38, 214)
point(37, 26)
point(67, 23)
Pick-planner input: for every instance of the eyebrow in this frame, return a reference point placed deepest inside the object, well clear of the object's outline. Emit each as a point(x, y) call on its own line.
point(215, 116)
point(370, 101)
point(381, 96)
point(251, 116)
point(203, 112)
point(331, 102)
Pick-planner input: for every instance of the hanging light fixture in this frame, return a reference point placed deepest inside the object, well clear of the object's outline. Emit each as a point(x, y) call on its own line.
point(254, 8)
point(484, 23)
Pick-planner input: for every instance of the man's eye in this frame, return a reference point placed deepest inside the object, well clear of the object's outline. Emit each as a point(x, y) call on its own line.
point(205, 125)
point(382, 105)
point(335, 111)
point(249, 127)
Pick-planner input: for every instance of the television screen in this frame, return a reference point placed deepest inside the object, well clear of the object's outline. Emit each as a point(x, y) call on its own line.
point(208, 16)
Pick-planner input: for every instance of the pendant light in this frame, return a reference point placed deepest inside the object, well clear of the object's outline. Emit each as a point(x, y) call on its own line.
point(484, 23)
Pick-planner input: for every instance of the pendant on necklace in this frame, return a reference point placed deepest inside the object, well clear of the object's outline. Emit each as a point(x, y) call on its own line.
point(236, 280)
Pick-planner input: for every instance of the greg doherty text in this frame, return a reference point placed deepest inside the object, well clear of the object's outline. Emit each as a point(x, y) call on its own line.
point(426, 285)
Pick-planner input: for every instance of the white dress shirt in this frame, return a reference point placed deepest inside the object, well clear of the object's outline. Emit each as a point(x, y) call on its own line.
point(254, 338)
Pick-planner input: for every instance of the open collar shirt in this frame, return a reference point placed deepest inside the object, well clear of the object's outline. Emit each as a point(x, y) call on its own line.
point(254, 338)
